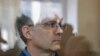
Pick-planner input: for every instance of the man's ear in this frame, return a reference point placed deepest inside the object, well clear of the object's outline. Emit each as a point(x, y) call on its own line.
point(26, 32)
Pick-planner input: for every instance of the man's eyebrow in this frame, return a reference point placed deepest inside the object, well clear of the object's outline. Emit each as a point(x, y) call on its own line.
point(51, 21)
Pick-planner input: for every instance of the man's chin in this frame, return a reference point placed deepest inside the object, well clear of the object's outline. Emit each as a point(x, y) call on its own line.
point(56, 48)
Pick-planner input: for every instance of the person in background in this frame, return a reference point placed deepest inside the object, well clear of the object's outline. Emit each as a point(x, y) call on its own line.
point(73, 45)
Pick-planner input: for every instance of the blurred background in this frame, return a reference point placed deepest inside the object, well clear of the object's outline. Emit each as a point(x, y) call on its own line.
point(83, 15)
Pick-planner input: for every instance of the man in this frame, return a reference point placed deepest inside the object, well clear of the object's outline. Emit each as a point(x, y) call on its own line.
point(42, 38)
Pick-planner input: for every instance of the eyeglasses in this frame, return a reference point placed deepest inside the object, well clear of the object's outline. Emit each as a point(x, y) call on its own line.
point(51, 24)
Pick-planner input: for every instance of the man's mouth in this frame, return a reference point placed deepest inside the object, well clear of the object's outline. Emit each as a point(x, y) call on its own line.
point(57, 41)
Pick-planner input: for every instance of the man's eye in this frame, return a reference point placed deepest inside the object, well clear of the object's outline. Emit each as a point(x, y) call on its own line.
point(50, 24)
point(53, 24)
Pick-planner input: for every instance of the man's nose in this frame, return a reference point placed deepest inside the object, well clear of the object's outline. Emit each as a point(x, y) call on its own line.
point(59, 31)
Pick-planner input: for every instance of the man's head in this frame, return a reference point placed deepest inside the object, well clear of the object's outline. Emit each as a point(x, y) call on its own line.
point(46, 32)
point(45, 35)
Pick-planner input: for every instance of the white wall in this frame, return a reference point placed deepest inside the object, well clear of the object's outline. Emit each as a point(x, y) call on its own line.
point(9, 10)
point(72, 17)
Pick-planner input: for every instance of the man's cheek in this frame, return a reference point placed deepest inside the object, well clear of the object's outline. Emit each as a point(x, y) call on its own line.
point(50, 32)
point(46, 31)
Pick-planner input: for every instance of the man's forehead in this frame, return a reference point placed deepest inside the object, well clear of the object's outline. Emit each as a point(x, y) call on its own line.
point(55, 19)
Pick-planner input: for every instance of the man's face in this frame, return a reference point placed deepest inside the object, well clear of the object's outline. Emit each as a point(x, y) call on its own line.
point(47, 34)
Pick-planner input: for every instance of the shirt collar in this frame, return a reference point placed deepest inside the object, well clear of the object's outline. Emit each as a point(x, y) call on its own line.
point(25, 53)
